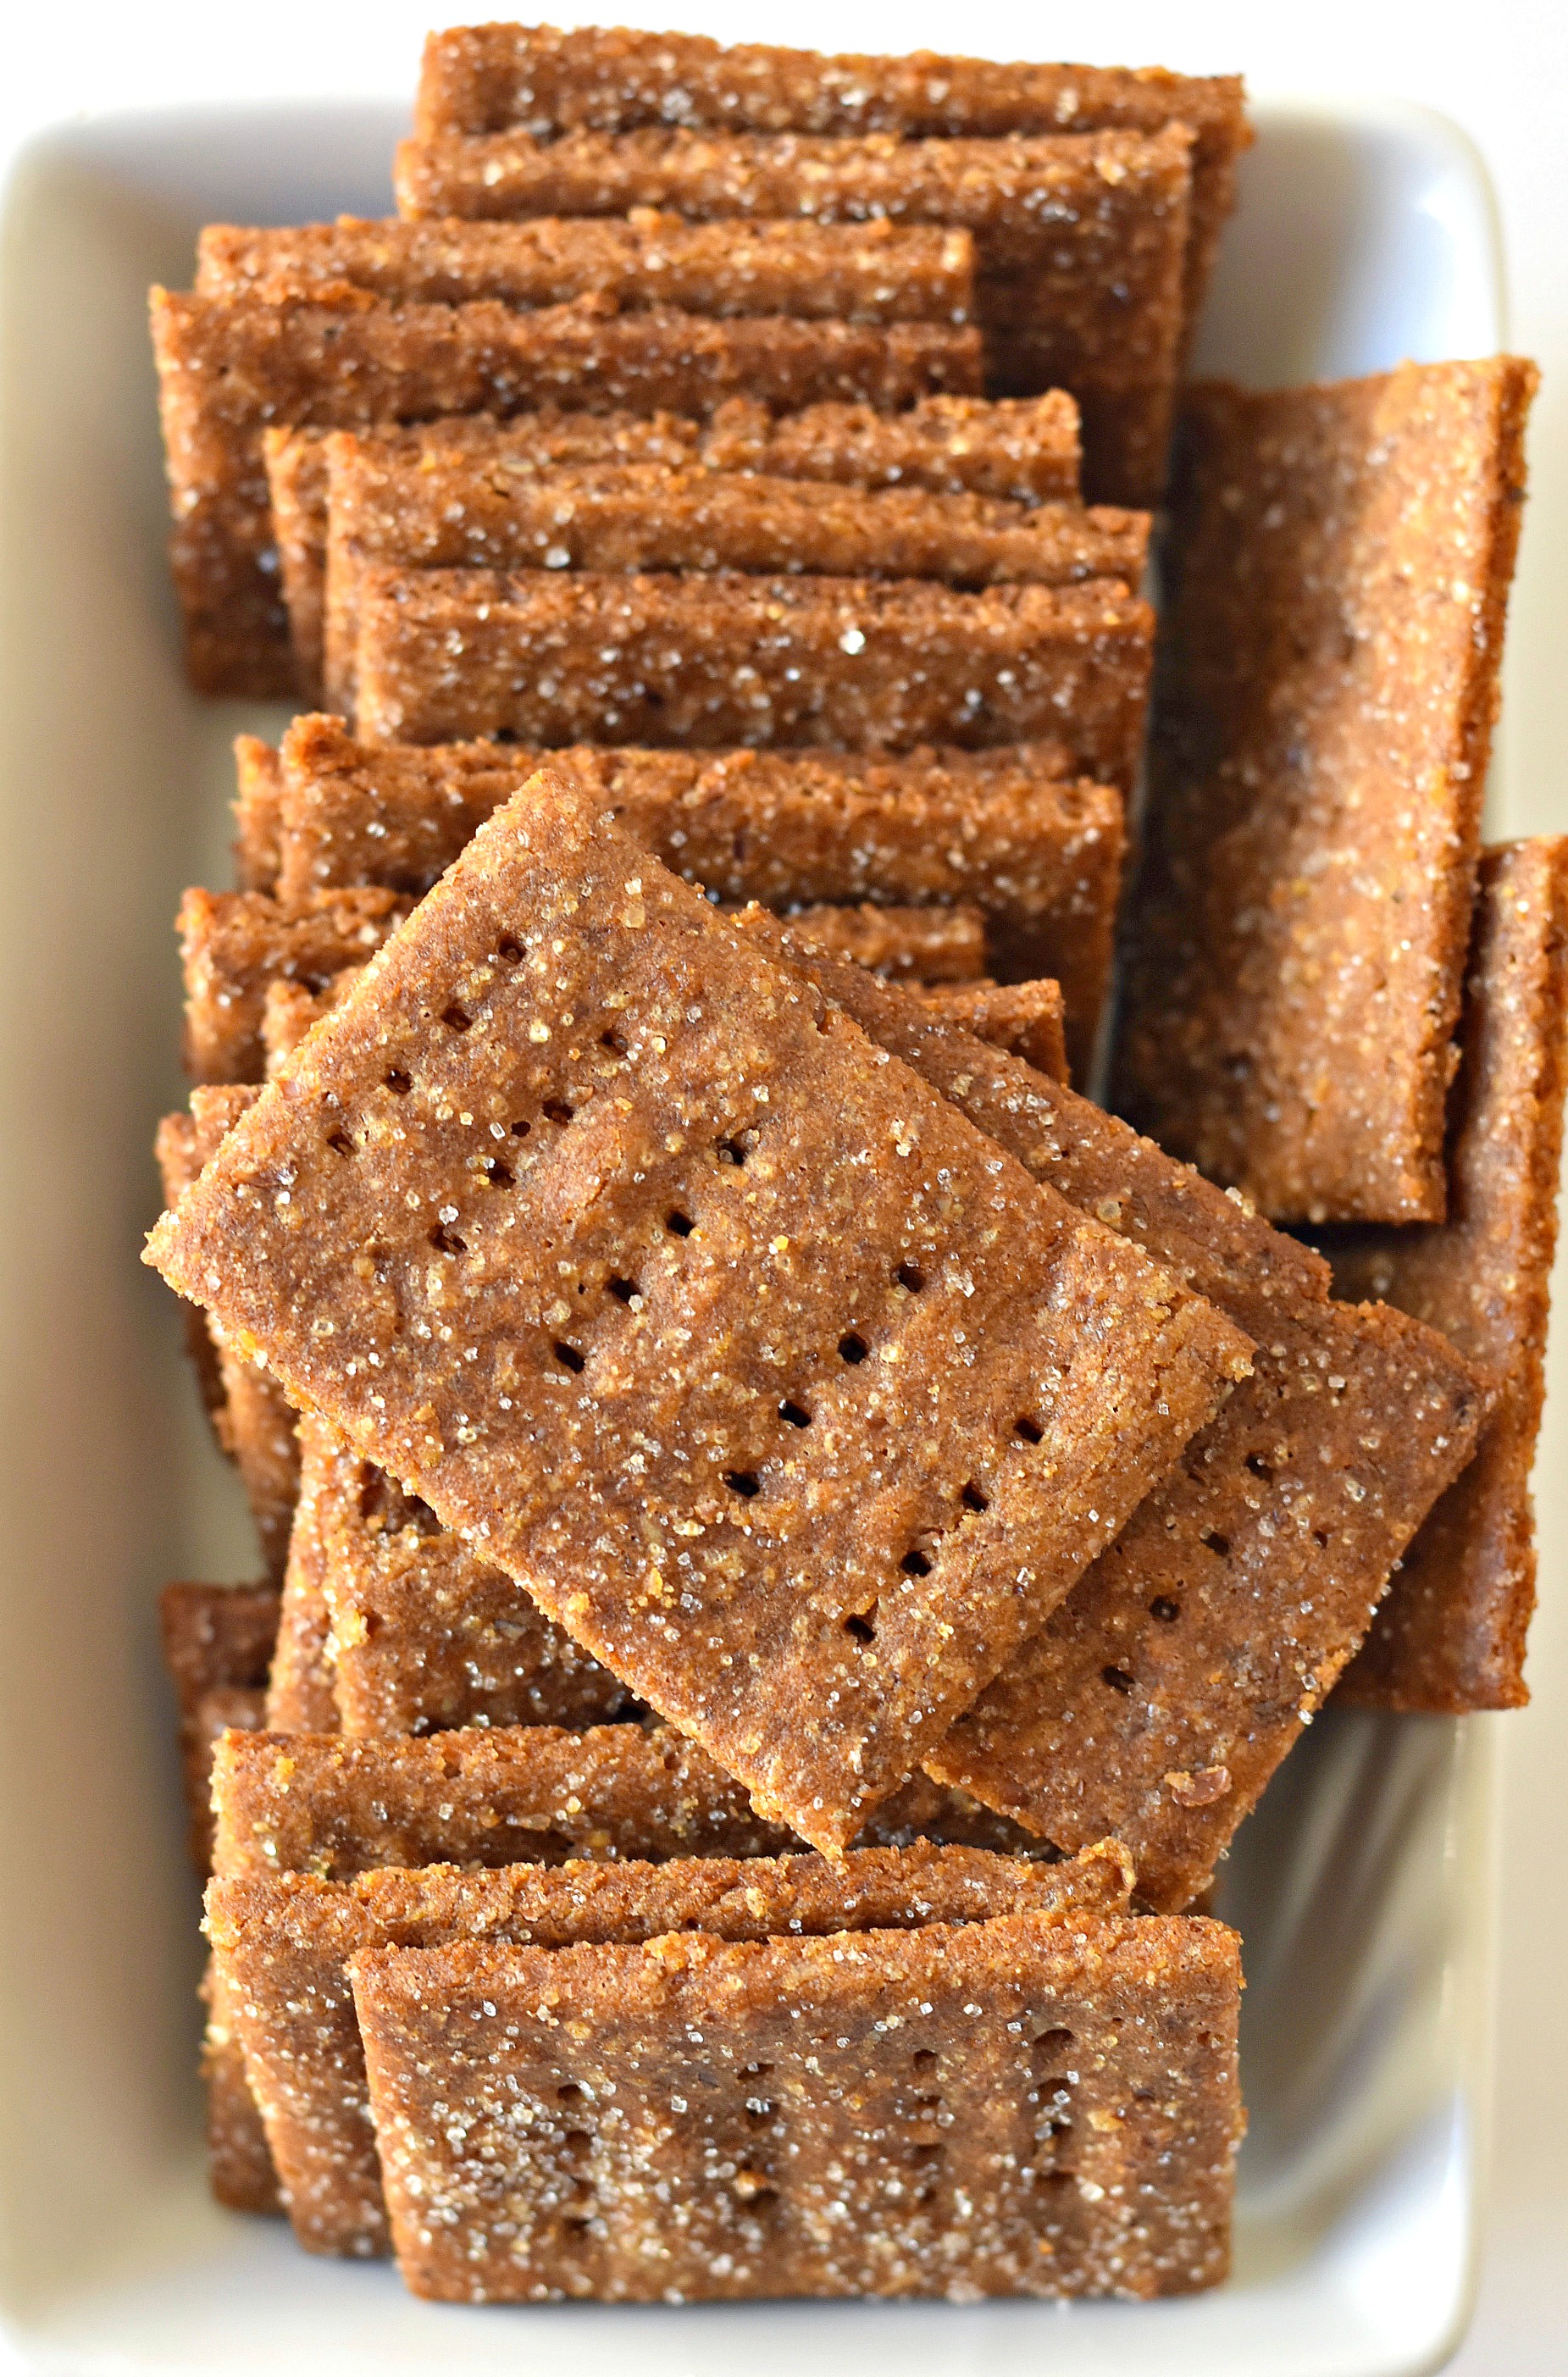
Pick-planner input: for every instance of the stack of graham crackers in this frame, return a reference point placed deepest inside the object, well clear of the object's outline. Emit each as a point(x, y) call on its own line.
point(800, 1534)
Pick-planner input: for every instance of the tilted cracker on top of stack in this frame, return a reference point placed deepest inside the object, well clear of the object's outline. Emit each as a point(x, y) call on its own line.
point(700, 1056)
point(638, 1319)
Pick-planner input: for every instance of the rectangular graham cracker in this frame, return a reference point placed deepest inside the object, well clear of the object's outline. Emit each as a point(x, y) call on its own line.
point(217, 1642)
point(1451, 1635)
point(424, 1636)
point(934, 947)
point(1021, 450)
point(257, 795)
point(252, 1418)
point(463, 507)
point(875, 271)
point(232, 944)
point(1009, 830)
point(1080, 239)
point(1327, 681)
point(1019, 2106)
point(921, 945)
point(445, 655)
point(1024, 1018)
point(300, 1693)
point(506, 1794)
point(484, 79)
point(282, 1949)
point(1163, 1693)
point(926, 1391)
point(240, 2170)
point(228, 368)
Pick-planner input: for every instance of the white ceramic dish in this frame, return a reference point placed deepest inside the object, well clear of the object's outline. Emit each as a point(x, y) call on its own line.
point(1362, 1888)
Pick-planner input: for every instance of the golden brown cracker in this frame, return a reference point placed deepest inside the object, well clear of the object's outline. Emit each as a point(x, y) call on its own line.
point(1327, 681)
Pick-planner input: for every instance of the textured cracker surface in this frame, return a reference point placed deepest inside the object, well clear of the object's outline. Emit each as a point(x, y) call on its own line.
point(282, 1947)
point(423, 1636)
point(1053, 2109)
point(1451, 1635)
point(232, 944)
point(859, 665)
point(488, 78)
point(1009, 830)
point(871, 273)
point(1080, 239)
point(217, 1640)
point(1326, 685)
point(458, 508)
point(567, 1128)
point(1157, 1700)
point(1021, 450)
point(229, 368)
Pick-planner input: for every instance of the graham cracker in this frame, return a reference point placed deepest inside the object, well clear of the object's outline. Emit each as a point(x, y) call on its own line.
point(1080, 238)
point(257, 793)
point(1009, 830)
point(228, 368)
point(423, 1636)
point(283, 1948)
point(1163, 1693)
point(1327, 681)
point(934, 947)
point(1451, 1635)
point(240, 2170)
point(860, 664)
point(289, 1010)
point(1024, 1018)
point(252, 1418)
point(1017, 2105)
point(217, 1642)
point(921, 945)
point(301, 1696)
point(483, 1796)
point(232, 944)
point(484, 79)
point(855, 272)
point(825, 1250)
point(1021, 450)
point(455, 508)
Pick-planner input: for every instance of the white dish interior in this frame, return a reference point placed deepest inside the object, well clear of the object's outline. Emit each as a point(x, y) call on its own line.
point(1362, 1888)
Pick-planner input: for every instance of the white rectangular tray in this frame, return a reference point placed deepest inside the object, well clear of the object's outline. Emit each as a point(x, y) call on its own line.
point(1362, 1888)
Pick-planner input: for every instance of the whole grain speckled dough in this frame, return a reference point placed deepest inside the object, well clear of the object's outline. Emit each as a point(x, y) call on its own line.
point(252, 1418)
point(283, 1946)
point(860, 664)
point(216, 1639)
point(1019, 2106)
point(567, 1127)
point(479, 80)
point(1157, 1701)
point(229, 368)
point(1009, 830)
point(1021, 450)
point(855, 272)
point(424, 1635)
point(300, 1696)
point(1080, 238)
point(1326, 685)
point(232, 944)
point(463, 507)
point(1451, 1635)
